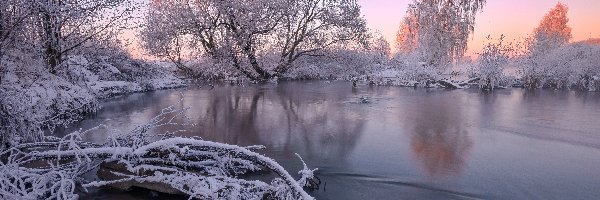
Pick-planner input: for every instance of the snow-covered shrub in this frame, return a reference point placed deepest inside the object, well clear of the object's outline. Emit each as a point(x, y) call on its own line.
point(33, 100)
point(406, 70)
point(107, 89)
point(103, 68)
point(312, 71)
point(17, 182)
point(208, 69)
point(491, 63)
point(572, 66)
point(109, 60)
point(338, 64)
point(76, 71)
point(419, 72)
point(107, 77)
point(149, 76)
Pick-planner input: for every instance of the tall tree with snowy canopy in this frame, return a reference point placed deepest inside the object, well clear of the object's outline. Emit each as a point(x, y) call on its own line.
point(65, 26)
point(243, 32)
point(442, 28)
point(553, 31)
point(406, 37)
point(310, 27)
point(13, 21)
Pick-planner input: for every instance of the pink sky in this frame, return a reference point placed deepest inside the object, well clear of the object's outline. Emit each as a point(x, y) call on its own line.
point(513, 18)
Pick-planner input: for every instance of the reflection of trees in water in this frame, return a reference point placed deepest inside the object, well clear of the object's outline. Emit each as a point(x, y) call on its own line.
point(121, 114)
point(227, 115)
point(440, 140)
point(307, 118)
point(318, 124)
point(290, 118)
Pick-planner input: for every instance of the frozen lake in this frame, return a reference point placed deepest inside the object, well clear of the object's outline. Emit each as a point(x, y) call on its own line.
point(405, 144)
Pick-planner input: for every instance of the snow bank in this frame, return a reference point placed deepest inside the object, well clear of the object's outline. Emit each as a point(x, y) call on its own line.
point(105, 89)
point(32, 100)
point(106, 77)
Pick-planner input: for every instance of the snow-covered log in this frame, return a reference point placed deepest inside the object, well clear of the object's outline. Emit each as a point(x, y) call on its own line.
point(450, 85)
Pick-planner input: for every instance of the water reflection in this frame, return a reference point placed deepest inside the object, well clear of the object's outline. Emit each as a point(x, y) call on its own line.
point(440, 138)
point(317, 121)
point(285, 118)
point(406, 143)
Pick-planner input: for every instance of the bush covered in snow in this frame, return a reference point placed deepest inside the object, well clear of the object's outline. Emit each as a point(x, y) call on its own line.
point(573, 66)
point(491, 63)
point(340, 64)
point(107, 77)
point(405, 70)
point(33, 100)
point(210, 70)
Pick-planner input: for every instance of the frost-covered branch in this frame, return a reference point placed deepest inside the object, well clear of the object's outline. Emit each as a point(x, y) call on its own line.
point(189, 166)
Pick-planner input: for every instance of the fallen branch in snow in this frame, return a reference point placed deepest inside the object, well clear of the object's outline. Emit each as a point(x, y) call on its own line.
point(193, 167)
point(308, 178)
point(450, 85)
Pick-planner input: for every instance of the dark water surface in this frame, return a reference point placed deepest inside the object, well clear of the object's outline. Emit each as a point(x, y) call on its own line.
point(405, 144)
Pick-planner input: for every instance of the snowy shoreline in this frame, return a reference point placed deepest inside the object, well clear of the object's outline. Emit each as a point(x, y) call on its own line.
point(34, 101)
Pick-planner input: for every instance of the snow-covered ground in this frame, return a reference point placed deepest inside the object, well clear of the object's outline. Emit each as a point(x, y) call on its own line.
point(105, 78)
point(34, 101)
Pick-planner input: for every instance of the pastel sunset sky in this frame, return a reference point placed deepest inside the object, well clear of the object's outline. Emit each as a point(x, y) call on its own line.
point(513, 18)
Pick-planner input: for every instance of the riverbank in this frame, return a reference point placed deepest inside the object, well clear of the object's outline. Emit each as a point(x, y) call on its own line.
point(34, 101)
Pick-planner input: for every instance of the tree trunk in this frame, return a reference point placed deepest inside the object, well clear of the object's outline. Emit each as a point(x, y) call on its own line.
point(263, 74)
point(51, 36)
point(236, 64)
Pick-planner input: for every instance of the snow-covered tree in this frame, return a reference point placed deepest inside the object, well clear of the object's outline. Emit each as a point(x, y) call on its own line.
point(243, 32)
point(224, 31)
point(442, 28)
point(571, 66)
point(14, 16)
point(311, 26)
point(65, 26)
point(406, 36)
point(57, 59)
point(380, 45)
point(553, 31)
point(165, 39)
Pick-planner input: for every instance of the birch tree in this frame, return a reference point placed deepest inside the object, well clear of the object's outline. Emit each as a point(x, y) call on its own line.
point(406, 36)
point(442, 28)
